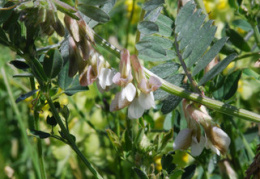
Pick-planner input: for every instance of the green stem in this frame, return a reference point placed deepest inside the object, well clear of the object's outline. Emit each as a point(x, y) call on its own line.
point(70, 140)
point(208, 102)
point(256, 54)
point(129, 23)
point(39, 146)
point(22, 126)
point(257, 35)
point(39, 141)
point(185, 68)
point(138, 33)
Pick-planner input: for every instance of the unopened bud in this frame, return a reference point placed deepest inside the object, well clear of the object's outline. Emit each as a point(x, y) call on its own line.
point(59, 28)
point(74, 57)
point(73, 27)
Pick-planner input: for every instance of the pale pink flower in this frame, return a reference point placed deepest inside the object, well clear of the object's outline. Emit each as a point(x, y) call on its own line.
point(145, 100)
point(140, 104)
point(216, 139)
point(124, 76)
point(123, 98)
point(146, 86)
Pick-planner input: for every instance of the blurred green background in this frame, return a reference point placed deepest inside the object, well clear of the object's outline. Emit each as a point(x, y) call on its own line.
point(89, 118)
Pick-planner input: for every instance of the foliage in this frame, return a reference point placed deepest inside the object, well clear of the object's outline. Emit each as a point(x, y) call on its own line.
point(60, 123)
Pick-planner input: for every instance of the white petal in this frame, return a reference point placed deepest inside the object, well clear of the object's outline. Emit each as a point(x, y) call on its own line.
point(209, 145)
point(105, 77)
point(183, 140)
point(99, 87)
point(118, 102)
point(102, 78)
point(147, 100)
point(135, 110)
point(221, 139)
point(197, 147)
point(116, 78)
point(129, 92)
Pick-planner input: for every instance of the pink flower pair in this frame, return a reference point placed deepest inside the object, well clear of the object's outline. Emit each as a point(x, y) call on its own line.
point(138, 99)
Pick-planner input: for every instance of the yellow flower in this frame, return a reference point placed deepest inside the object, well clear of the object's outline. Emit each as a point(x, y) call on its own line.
point(230, 67)
point(158, 164)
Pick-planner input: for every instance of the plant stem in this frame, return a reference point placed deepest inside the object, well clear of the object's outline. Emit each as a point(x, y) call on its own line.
point(39, 142)
point(193, 83)
point(22, 126)
point(70, 140)
point(138, 33)
point(257, 36)
point(39, 146)
point(129, 23)
point(208, 102)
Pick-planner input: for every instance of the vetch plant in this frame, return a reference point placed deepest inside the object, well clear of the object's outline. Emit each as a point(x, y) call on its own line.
point(164, 76)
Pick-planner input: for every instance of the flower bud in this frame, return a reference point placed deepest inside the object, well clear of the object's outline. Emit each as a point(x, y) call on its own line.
point(72, 26)
point(124, 77)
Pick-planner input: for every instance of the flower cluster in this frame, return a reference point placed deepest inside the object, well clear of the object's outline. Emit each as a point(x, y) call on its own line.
point(92, 67)
point(43, 15)
point(139, 99)
point(83, 58)
point(215, 138)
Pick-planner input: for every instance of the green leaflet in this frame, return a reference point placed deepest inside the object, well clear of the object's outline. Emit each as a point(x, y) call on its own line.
point(69, 85)
point(94, 13)
point(3, 37)
point(52, 63)
point(229, 87)
point(156, 47)
point(148, 27)
point(140, 173)
point(152, 4)
point(217, 69)
point(168, 71)
point(194, 37)
point(93, 3)
point(26, 95)
point(165, 25)
point(207, 58)
point(243, 24)
point(237, 40)
point(168, 163)
point(189, 172)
